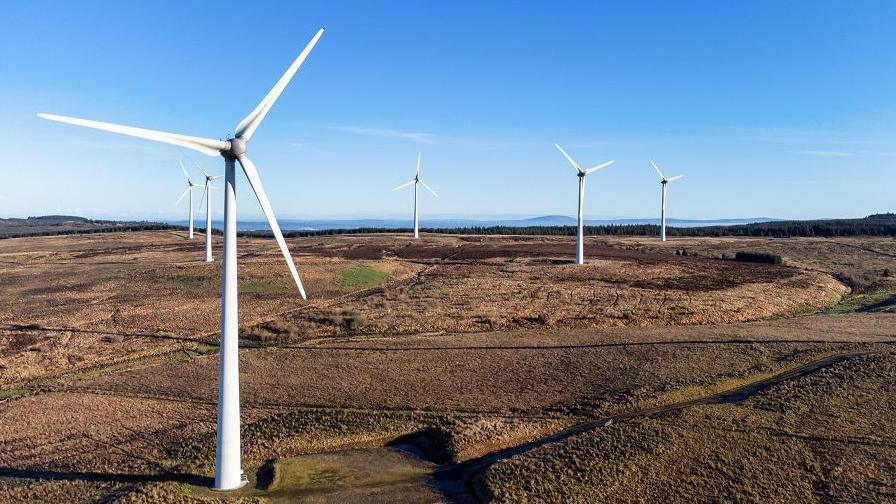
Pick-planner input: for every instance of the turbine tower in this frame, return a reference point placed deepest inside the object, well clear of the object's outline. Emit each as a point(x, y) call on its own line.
point(663, 181)
point(580, 233)
point(207, 196)
point(416, 181)
point(190, 187)
point(228, 471)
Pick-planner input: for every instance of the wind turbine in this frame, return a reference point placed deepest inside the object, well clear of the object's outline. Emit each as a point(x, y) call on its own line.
point(664, 181)
point(580, 234)
point(228, 471)
point(416, 181)
point(206, 195)
point(190, 187)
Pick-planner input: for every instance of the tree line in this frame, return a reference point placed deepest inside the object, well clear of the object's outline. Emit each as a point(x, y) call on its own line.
point(873, 225)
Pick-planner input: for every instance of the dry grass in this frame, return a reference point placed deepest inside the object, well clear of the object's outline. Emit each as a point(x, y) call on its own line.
point(494, 372)
point(860, 262)
point(77, 301)
point(104, 360)
point(828, 436)
point(492, 286)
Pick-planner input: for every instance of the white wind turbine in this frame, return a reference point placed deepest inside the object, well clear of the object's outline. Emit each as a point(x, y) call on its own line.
point(190, 187)
point(663, 181)
point(228, 471)
point(580, 234)
point(207, 196)
point(417, 181)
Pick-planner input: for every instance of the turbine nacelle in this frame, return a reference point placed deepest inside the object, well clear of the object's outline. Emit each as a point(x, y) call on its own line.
point(663, 179)
point(579, 171)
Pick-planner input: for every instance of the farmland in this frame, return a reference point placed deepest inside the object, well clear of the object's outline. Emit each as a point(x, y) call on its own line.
point(444, 361)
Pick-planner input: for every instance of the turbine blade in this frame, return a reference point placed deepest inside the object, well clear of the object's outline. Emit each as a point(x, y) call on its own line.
point(246, 128)
point(568, 158)
point(185, 172)
point(193, 161)
point(206, 146)
point(197, 166)
point(255, 181)
point(428, 189)
point(418, 163)
point(598, 167)
point(675, 178)
point(657, 168)
point(182, 196)
point(404, 185)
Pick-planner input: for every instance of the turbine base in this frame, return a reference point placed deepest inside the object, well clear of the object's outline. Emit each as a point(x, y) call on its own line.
point(243, 482)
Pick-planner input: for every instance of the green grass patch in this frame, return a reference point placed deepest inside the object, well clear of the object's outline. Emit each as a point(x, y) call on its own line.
point(260, 286)
point(325, 475)
point(856, 302)
point(196, 282)
point(361, 277)
point(13, 392)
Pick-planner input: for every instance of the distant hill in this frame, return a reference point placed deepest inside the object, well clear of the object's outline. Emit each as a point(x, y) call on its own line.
point(556, 225)
point(873, 225)
point(48, 225)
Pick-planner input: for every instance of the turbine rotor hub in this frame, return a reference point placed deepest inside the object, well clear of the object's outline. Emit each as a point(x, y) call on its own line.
point(236, 147)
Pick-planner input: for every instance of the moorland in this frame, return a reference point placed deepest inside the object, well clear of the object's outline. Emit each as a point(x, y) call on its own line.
point(457, 368)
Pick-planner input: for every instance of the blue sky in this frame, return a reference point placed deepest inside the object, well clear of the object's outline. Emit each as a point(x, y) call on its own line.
point(782, 109)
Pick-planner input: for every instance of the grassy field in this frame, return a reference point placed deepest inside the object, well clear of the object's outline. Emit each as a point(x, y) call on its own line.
point(361, 277)
point(457, 346)
point(824, 437)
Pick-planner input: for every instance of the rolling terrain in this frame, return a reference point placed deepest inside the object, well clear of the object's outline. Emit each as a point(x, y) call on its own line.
point(452, 368)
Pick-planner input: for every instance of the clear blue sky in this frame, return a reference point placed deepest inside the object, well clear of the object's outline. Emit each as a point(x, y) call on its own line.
point(782, 109)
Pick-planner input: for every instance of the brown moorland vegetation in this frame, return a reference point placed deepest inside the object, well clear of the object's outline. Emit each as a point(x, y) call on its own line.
point(88, 417)
point(826, 437)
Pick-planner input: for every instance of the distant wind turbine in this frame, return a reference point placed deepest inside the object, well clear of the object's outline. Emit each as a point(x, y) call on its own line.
point(416, 181)
point(207, 196)
point(664, 181)
point(580, 234)
point(190, 187)
point(228, 471)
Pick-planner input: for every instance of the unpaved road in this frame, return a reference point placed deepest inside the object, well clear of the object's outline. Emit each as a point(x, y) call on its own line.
point(456, 481)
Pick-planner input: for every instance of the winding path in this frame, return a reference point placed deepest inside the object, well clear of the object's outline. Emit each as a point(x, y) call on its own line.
point(456, 481)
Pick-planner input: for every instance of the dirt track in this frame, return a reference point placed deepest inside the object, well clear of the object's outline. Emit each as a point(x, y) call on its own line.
point(457, 481)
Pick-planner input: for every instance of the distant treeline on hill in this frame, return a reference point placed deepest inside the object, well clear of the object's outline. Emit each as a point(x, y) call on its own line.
point(873, 225)
point(52, 225)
